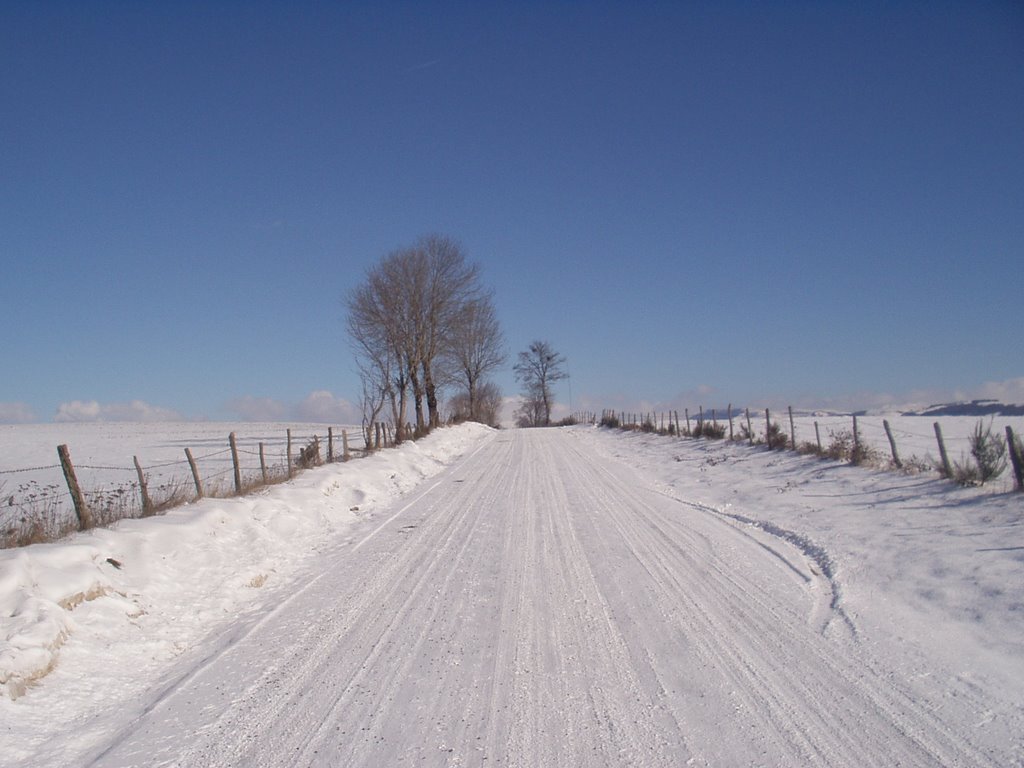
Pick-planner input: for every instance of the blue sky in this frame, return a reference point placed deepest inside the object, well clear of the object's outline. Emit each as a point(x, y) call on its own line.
point(817, 203)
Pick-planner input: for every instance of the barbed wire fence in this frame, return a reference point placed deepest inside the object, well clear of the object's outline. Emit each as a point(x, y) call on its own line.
point(34, 510)
point(866, 440)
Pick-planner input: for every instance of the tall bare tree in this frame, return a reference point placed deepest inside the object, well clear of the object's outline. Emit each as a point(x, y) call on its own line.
point(477, 347)
point(451, 284)
point(537, 369)
point(380, 325)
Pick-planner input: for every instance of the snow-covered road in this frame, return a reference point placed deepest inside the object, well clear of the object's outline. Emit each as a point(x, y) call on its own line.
point(542, 603)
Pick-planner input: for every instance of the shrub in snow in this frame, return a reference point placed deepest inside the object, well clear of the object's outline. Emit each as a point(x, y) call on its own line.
point(777, 439)
point(989, 452)
point(709, 430)
point(808, 448)
point(966, 473)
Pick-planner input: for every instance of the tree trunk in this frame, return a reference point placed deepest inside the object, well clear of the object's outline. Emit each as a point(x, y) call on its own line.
point(431, 390)
point(417, 396)
point(471, 386)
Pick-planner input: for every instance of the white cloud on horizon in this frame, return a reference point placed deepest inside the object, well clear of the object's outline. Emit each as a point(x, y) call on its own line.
point(249, 408)
point(16, 413)
point(1010, 392)
point(321, 406)
point(92, 410)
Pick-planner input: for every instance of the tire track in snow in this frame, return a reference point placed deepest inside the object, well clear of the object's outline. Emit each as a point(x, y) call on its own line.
point(542, 605)
point(830, 712)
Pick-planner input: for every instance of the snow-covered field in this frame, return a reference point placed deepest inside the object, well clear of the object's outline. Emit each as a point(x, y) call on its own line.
point(32, 482)
point(573, 596)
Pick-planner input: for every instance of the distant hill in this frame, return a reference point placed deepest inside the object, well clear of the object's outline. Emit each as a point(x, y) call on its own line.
point(973, 408)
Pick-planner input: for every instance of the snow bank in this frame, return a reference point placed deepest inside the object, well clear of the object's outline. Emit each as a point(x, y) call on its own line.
point(153, 587)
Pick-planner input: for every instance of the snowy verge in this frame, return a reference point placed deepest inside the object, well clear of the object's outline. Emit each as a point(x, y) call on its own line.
point(156, 586)
point(915, 561)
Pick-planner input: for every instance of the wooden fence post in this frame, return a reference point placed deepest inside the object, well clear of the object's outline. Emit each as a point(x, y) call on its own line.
point(855, 458)
point(892, 444)
point(792, 429)
point(768, 428)
point(147, 503)
point(234, 460)
point(688, 432)
point(330, 444)
point(195, 474)
point(289, 454)
point(817, 436)
point(730, 423)
point(263, 465)
point(81, 509)
point(344, 445)
point(750, 429)
point(1015, 458)
point(947, 469)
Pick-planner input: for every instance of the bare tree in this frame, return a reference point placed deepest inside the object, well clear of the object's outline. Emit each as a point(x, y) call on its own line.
point(487, 408)
point(451, 284)
point(379, 327)
point(488, 404)
point(476, 348)
point(530, 412)
point(537, 369)
point(404, 321)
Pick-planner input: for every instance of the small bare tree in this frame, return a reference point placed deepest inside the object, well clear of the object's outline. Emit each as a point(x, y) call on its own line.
point(477, 347)
point(487, 408)
point(537, 369)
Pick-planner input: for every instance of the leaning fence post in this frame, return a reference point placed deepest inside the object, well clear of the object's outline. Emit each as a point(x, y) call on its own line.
point(817, 436)
point(947, 470)
point(234, 460)
point(892, 444)
point(1015, 458)
point(263, 466)
point(330, 444)
point(81, 510)
point(750, 429)
point(688, 432)
point(768, 428)
point(147, 503)
point(195, 474)
point(730, 422)
point(792, 429)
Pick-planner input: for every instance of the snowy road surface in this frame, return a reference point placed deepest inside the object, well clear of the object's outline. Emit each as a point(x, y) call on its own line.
point(541, 603)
